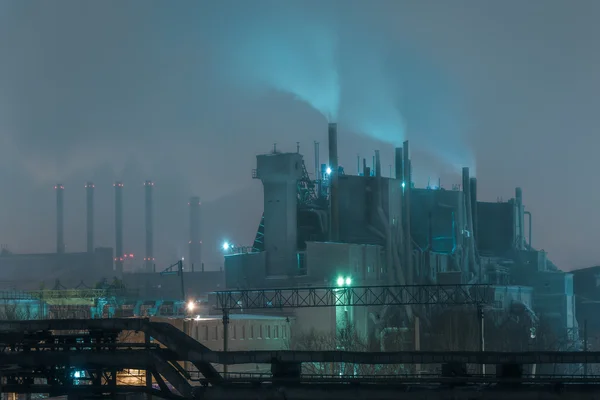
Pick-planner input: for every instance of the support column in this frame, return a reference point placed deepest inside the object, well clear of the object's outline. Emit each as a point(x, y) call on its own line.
point(148, 372)
point(225, 338)
point(480, 315)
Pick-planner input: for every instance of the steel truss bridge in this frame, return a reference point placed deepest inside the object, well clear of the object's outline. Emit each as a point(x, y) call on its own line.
point(81, 358)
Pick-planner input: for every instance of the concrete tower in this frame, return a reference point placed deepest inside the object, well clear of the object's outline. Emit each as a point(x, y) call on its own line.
point(149, 257)
point(60, 218)
point(119, 227)
point(195, 241)
point(279, 173)
point(89, 203)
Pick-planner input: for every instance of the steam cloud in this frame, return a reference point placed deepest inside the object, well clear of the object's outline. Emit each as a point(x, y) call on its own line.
point(352, 77)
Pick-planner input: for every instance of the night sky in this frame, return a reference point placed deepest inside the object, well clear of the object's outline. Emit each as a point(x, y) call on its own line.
point(186, 93)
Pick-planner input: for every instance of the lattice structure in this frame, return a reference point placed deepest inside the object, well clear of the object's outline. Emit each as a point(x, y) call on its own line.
point(354, 296)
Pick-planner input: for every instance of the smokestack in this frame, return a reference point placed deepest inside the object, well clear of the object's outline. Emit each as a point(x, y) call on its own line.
point(377, 164)
point(60, 221)
point(89, 204)
point(519, 217)
point(473, 188)
point(149, 258)
point(119, 227)
point(466, 181)
point(333, 196)
point(407, 228)
point(195, 242)
point(398, 162)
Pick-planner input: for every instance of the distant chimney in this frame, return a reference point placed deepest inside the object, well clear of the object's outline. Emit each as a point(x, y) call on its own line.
point(60, 219)
point(89, 191)
point(119, 227)
point(333, 195)
point(398, 163)
point(149, 258)
point(195, 241)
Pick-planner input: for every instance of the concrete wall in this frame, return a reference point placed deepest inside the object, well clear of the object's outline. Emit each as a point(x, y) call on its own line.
point(32, 271)
point(243, 271)
point(443, 206)
point(327, 261)
point(358, 207)
point(279, 173)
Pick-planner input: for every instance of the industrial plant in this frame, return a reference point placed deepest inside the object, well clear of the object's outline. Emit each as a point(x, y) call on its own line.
point(421, 281)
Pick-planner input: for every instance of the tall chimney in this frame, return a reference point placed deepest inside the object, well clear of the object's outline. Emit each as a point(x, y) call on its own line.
point(473, 188)
point(333, 196)
point(149, 257)
point(466, 181)
point(519, 218)
point(407, 228)
point(195, 242)
point(119, 227)
point(398, 162)
point(60, 221)
point(89, 204)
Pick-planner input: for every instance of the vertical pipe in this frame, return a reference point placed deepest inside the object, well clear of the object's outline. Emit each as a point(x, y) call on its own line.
point(195, 241)
point(528, 213)
point(333, 198)
point(481, 317)
point(60, 218)
point(585, 346)
point(474, 218)
point(149, 258)
point(407, 233)
point(377, 164)
point(358, 164)
point(466, 182)
point(317, 162)
point(520, 231)
point(119, 227)
point(89, 191)
point(398, 162)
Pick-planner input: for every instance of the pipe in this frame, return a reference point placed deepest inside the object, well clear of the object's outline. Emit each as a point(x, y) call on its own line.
point(195, 241)
point(474, 217)
point(407, 227)
point(89, 191)
point(466, 181)
point(119, 227)
point(317, 162)
point(333, 197)
point(377, 164)
point(358, 164)
point(398, 162)
point(528, 213)
point(60, 218)
point(519, 218)
point(149, 258)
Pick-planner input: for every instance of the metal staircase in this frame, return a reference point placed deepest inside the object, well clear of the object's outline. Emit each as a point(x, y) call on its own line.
point(259, 244)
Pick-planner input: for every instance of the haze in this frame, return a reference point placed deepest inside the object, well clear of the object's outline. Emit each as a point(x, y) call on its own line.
point(186, 93)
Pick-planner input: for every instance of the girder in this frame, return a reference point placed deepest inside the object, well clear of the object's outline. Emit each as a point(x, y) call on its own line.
point(353, 296)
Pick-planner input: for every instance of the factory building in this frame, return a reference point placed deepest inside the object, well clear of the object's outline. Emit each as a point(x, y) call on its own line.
point(373, 230)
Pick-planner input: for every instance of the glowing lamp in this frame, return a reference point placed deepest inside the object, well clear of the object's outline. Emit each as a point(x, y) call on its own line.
point(191, 305)
point(328, 171)
point(225, 246)
point(340, 281)
point(348, 281)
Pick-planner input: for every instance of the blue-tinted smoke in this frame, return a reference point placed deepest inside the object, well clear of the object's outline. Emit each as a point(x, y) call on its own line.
point(281, 47)
point(351, 73)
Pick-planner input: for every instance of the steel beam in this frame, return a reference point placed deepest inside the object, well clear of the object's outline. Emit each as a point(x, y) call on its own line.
point(395, 392)
point(354, 296)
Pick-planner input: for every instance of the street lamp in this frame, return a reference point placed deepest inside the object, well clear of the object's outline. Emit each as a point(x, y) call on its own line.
point(191, 306)
point(344, 281)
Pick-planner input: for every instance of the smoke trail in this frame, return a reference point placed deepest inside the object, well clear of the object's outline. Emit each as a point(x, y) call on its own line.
point(283, 48)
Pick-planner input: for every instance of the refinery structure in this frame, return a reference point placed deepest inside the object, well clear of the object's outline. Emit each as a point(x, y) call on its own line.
point(340, 262)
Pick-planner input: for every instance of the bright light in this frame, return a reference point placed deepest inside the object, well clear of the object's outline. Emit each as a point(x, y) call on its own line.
point(225, 246)
point(340, 281)
point(191, 305)
point(403, 185)
point(328, 171)
point(348, 281)
point(182, 259)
